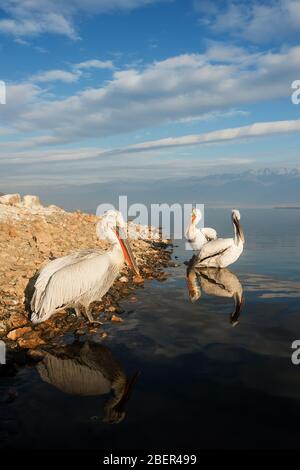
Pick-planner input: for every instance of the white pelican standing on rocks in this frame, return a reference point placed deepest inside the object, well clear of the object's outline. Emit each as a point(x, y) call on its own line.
point(222, 252)
point(78, 279)
point(198, 237)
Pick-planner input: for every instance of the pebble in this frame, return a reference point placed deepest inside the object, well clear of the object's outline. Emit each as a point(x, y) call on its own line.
point(16, 334)
point(116, 319)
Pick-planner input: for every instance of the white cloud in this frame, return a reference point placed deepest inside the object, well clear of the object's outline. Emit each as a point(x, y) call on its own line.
point(180, 88)
point(71, 76)
point(25, 23)
point(4, 131)
point(56, 75)
point(256, 21)
point(35, 17)
point(95, 64)
point(19, 151)
point(254, 130)
point(19, 100)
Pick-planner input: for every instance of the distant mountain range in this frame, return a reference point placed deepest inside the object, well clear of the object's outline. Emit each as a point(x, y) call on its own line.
point(265, 187)
point(261, 187)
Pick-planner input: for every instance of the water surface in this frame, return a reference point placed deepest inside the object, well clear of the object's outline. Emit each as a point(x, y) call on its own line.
point(202, 382)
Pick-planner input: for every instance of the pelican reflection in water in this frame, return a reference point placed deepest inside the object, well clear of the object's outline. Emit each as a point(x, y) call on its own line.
point(88, 369)
point(217, 282)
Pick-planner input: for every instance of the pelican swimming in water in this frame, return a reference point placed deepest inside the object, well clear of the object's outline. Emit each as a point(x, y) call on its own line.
point(217, 282)
point(89, 369)
point(83, 277)
point(222, 252)
point(198, 237)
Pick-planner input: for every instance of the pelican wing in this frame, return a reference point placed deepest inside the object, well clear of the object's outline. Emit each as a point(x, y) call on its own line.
point(212, 285)
point(230, 281)
point(209, 233)
point(214, 248)
point(98, 357)
point(91, 274)
point(72, 377)
point(220, 282)
point(51, 268)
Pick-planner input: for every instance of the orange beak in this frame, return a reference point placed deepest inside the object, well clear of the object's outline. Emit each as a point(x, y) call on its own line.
point(128, 255)
point(193, 218)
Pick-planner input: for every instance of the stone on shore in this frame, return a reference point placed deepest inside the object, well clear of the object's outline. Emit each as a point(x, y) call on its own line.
point(18, 332)
point(30, 340)
point(10, 199)
point(31, 201)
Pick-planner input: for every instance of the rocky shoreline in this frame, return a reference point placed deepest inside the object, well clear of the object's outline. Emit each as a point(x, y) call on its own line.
point(31, 235)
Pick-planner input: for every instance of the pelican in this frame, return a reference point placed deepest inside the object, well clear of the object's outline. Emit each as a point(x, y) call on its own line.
point(222, 252)
point(78, 279)
point(217, 282)
point(198, 237)
point(89, 369)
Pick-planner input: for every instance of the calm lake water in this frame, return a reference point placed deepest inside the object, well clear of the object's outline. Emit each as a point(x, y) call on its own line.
point(202, 382)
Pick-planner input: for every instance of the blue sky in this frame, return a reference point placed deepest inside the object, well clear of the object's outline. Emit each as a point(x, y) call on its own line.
point(107, 90)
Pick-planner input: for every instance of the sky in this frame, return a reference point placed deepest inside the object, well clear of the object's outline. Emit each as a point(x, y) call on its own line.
point(114, 91)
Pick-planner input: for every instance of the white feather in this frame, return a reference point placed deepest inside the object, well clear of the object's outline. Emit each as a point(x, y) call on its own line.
point(79, 278)
point(209, 233)
point(221, 252)
point(198, 237)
